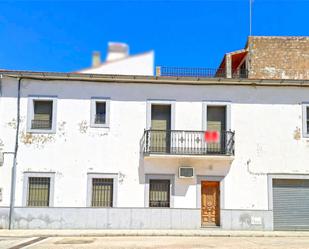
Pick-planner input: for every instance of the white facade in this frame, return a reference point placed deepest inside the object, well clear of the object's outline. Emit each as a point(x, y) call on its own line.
point(267, 121)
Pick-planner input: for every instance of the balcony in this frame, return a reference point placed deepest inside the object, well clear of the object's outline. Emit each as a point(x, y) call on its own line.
point(186, 143)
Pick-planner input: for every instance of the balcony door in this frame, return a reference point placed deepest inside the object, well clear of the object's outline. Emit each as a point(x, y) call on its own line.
point(160, 126)
point(216, 121)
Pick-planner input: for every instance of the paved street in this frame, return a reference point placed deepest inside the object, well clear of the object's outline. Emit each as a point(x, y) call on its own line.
point(148, 242)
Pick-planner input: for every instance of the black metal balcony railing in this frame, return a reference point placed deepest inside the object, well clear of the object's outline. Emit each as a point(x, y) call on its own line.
point(179, 142)
point(41, 124)
point(200, 72)
point(99, 119)
point(159, 204)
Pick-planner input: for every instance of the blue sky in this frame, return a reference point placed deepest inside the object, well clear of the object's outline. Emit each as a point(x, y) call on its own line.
point(61, 35)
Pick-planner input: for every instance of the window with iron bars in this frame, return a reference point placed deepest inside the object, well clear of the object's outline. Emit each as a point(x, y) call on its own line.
point(102, 192)
point(159, 193)
point(38, 191)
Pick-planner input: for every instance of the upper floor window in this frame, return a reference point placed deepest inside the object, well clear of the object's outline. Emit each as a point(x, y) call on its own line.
point(306, 120)
point(100, 112)
point(42, 114)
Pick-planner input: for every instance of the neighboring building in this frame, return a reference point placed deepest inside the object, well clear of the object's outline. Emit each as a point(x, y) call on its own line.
point(269, 57)
point(120, 62)
point(106, 151)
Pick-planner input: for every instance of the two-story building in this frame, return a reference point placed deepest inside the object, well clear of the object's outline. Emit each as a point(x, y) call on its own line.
point(105, 151)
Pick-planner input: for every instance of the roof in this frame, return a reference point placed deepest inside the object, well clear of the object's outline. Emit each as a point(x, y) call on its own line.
point(197, 81)
point(115, 61)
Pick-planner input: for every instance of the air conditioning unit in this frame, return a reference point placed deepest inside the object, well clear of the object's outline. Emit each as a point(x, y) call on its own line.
point(186, 172)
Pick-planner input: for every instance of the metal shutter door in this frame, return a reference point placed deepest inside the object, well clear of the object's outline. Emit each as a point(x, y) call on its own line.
point(291, 204)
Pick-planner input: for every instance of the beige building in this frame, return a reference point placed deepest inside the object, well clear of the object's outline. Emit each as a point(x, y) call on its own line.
point(269, 57)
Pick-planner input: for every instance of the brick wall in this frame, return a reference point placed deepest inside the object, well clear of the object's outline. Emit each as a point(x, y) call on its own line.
point(278, 57)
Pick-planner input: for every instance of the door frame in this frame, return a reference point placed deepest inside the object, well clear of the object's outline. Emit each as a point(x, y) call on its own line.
point(199, 179)
point(226, 104)
point(218, 208)
point(151, 102)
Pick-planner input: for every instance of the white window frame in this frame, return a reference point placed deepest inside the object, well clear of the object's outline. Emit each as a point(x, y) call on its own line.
point(50, 175)
point(170, 177)
point(30, 113)
point(94, 100)
point(304, 118)
point(91, 176)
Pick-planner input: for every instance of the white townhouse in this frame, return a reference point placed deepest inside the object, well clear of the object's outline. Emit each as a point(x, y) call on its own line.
point(146, 152)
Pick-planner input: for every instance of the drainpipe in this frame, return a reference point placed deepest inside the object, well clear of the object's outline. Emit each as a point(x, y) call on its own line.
point(13, 178)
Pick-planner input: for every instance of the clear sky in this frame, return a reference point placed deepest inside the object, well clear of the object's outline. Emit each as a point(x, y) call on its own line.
point(61, 35)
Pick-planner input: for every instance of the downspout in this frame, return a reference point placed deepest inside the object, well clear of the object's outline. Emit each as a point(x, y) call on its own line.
point(13, 178)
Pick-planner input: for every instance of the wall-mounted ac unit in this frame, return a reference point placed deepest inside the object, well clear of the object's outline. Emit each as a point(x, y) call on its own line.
point(186, 172)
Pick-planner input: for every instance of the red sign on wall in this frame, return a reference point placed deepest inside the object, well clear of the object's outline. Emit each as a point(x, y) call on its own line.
point(212, 136)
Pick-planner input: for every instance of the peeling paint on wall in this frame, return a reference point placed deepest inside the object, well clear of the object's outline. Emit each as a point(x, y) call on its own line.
point(83, 126)
point(121, 177)
point(12, 124)
point(297, 134)
point(61, 129)
point(39, 140)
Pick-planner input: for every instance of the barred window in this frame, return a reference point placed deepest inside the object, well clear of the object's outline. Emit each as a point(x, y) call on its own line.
point(43, 112)
point(159, 193)
point(102, 192)
point(38, 191)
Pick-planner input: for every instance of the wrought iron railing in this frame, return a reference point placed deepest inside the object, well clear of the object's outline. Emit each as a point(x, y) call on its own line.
point(180, 142)
point(159, 204)
point(99, 119)
point(200, 72)
point(41, 124)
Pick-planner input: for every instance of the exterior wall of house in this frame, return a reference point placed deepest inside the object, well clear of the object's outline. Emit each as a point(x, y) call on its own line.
point(141, 64)
point(276, 57)
point(268, 140)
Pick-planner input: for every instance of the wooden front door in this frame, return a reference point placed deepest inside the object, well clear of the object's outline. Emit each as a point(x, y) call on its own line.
point(210, 205)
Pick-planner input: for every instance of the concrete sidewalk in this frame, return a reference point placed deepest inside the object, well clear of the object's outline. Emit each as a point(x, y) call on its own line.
point(185, 233)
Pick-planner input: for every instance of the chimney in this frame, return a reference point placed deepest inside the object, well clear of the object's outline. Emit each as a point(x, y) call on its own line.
point(96, 59)
point(117, 51)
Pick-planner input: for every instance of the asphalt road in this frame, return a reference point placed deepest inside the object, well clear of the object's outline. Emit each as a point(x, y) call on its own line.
point(155, 242)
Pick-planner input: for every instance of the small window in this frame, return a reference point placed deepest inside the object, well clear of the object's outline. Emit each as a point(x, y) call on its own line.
point(159, 193)
point(43, 113)
point(102, 192)
point(38, 191)
point(305, 107)
point(307, 118)
point(100, 113)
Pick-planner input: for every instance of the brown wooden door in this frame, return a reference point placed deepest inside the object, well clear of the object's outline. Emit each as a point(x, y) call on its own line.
point(210, 205)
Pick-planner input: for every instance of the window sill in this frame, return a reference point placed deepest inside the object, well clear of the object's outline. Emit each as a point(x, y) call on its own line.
point(40, 131)
point(99, 126)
